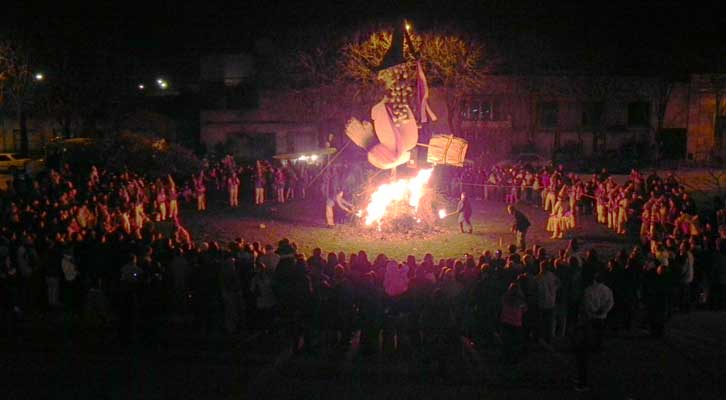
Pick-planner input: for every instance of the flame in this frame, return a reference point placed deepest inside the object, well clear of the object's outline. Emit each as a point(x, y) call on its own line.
point(442, 213)
point(410, 190)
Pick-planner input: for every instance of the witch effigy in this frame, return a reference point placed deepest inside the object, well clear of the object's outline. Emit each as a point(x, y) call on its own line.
point(393, 131)
point(396, 119)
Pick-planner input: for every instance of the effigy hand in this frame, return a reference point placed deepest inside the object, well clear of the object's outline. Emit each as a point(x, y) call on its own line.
point(389, 144)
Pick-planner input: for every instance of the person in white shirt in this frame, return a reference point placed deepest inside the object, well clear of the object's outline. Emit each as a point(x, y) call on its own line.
point(596, 304)
point(548, 284)
point(597, 300)
point(684, 271)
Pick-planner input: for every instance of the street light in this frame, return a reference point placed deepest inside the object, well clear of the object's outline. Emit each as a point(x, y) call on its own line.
point(163, 84)
point(39, 76)
point(141, 86)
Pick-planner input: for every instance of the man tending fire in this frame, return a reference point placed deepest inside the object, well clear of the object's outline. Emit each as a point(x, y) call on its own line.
point(463, 209)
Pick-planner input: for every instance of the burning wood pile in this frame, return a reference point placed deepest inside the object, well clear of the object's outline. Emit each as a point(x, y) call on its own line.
point(401, 206)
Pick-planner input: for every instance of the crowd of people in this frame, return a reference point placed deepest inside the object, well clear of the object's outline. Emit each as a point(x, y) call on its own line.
point(85, 242)
point(650, 207)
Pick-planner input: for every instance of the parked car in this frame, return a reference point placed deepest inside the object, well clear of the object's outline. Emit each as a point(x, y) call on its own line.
point(11, 162)
point(532, 159)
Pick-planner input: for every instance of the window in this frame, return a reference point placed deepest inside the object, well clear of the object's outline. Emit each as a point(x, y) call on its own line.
point(592, 112)
point(639, 113)
point(482, 110)
point(547, 114)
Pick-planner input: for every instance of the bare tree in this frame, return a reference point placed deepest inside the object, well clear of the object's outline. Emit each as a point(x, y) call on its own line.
point(17, 85)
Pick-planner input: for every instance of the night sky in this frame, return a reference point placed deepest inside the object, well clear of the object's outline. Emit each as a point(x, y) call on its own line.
point(168, 37)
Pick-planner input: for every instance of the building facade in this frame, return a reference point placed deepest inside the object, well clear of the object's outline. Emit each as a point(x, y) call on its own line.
point(581, 115)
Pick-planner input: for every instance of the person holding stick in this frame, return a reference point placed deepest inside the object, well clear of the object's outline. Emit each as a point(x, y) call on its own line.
point(346, 206)
point(520, 226)
point(463, 209)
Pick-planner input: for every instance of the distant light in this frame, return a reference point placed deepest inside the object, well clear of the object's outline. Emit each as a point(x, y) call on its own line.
point(303, 158)
point(39, 76)
point(159, 81)
point(408, 26)
point(141, 86)
point(164, 85)
point(314, 157)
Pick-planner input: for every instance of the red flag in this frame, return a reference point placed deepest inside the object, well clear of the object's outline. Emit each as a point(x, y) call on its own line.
point(423, 96)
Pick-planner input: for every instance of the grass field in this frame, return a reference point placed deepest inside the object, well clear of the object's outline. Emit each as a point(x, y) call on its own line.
point(302, 222)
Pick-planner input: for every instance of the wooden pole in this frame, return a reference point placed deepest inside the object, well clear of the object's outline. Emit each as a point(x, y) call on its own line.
point(330, 162)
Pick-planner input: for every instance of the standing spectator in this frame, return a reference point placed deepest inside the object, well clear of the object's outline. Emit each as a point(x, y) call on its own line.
point(563, 271)
point(259, 188)
point(200, 190)
point(265, 301)
point(280, 180)
point(233, 188)
point(657, 292)
point(597, 303)
point(684, 276)
point(53, 274)
point(173, 199)
point(129, 300)
point(513, 308)
point(231, 293)
point(547, 287)
point(71, 283)
point(179, 273)
point(269, 257)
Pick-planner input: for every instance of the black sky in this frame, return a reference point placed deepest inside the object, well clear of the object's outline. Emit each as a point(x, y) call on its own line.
point(634, 36)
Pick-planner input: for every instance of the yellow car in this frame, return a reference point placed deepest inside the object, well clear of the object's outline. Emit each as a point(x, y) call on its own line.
point(11, 162)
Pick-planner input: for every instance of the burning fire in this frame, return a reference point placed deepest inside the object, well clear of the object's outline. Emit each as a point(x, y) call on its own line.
point(409, 190)
point(442, 214)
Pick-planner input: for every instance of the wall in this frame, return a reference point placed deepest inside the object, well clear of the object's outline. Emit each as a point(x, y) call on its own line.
point(701, 116)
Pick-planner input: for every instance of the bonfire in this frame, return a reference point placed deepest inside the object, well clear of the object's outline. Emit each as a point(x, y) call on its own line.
point(401, 206)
